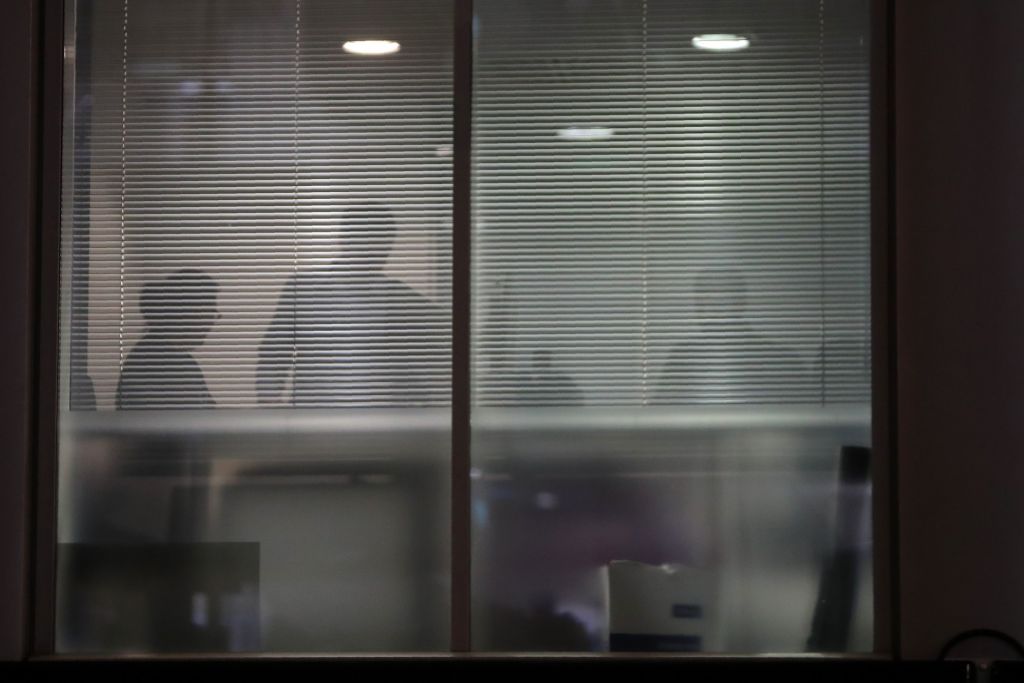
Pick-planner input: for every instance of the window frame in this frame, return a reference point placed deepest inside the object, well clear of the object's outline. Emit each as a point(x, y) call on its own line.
point(30, 551)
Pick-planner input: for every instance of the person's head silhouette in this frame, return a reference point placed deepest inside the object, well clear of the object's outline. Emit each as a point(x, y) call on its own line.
point(181, 309)
point(368, 232)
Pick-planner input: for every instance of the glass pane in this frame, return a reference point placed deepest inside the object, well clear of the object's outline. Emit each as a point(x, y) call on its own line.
point(671, 333)
point(255, 359)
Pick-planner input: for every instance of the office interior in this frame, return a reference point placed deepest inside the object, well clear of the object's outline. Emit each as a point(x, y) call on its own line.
point(664, 327)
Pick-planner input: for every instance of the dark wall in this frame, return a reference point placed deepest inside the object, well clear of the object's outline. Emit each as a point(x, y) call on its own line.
point(959, 193)
point(17, 221)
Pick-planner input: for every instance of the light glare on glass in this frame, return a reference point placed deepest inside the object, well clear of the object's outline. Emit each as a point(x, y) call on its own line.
point(586, 133)
point(721, 42)
point(371, 47)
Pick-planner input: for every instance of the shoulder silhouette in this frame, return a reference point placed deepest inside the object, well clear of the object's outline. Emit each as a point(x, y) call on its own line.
point(160, 371)
point(349, 333)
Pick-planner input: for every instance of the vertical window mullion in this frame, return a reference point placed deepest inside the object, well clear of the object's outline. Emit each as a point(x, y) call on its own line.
point(461, 279)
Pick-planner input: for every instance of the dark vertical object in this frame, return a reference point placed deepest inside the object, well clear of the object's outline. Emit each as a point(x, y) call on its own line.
point(48, 249)
point(82, 393)
point(885, 528)
point(18, 72)
point(461, 309)
point(837, 592)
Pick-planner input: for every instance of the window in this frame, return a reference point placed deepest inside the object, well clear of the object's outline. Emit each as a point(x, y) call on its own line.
point(670, 327)
point(257, 328)
point(671, 319)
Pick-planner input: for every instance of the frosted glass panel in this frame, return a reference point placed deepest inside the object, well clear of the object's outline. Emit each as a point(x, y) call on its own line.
point(671, 330)
point(255, 359)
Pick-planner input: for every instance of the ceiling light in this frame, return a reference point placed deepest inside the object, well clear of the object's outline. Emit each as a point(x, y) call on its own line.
point(720, 42)
point(371, 47)
point(587, 133)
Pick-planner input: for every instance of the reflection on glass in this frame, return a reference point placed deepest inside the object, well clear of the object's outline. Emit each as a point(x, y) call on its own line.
point(255, 328)
point(671, 366)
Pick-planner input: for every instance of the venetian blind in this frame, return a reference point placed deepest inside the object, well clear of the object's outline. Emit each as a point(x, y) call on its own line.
point(660, 224)
point(259, 217)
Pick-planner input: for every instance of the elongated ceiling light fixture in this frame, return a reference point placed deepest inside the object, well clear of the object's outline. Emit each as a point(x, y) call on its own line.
point(721, 42)
point(371, 47)
point(586, 133)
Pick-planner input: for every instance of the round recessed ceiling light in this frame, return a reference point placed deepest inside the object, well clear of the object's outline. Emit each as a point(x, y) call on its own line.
point(371, 47)
point(721, 42)
point(586, 133)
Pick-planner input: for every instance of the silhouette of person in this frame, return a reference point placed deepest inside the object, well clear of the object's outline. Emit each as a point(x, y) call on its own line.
point(350, 334)
point(729, 360)
point(160, 371)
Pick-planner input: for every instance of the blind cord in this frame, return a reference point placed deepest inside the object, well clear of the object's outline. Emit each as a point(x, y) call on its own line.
point(295, 191)
point(821, 197)
point(643, 221)
point(124, 182)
